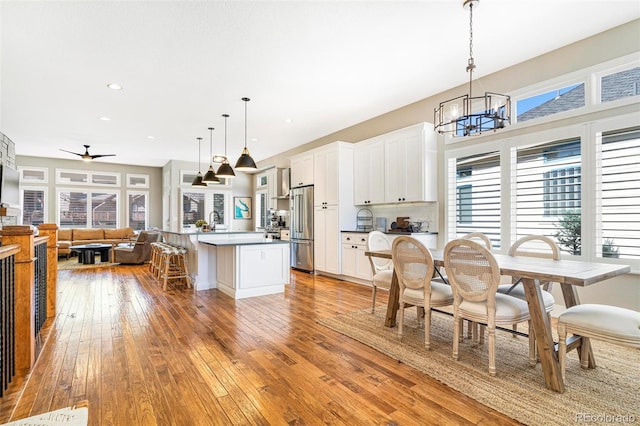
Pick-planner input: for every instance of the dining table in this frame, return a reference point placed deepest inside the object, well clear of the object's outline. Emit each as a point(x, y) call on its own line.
point(570, 274)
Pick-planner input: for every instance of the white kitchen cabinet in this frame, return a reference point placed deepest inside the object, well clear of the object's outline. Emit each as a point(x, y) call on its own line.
point(326, 239)
point(325, 176)
point(354, 262)
point(368, 172)
point(302, 169)
point(410, 165)
point(333, 200)
point(272, 188)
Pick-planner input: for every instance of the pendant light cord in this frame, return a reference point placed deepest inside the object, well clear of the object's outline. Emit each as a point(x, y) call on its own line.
point(211, 146)
point(199, 141)
point(225, 133)
point(246, 100)
point(471, 64)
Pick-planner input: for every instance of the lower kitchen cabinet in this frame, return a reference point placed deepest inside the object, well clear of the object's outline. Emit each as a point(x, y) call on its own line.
point(354, 262)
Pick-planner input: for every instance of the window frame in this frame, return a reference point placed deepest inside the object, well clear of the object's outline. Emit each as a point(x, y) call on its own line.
point(127, 207)
point(208, 200)
point(89, 177)
point(44, 170)
point(89, 218)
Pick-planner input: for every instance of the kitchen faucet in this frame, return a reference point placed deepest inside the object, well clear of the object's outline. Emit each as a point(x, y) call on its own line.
point(214, 217)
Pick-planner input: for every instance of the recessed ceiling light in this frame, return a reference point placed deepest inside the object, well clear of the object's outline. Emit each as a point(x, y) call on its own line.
point(114, 86)
point(288, 121)
point(150, 137)
point(254, 139)
point(105, 119)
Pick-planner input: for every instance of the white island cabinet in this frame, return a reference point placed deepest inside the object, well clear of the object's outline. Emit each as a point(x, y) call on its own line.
point(243, 267)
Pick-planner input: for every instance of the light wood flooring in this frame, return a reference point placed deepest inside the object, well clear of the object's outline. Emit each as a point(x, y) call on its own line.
point(143, 356)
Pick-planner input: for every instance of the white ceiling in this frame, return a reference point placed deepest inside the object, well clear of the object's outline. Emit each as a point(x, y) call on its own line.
point(324, 65)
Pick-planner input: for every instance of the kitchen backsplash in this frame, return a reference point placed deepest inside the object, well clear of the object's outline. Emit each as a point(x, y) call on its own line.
point(416, 212)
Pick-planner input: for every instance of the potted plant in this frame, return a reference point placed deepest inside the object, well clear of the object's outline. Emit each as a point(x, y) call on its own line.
point(201, 223)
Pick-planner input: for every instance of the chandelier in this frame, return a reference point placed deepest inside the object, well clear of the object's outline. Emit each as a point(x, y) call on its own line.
point(467, 115)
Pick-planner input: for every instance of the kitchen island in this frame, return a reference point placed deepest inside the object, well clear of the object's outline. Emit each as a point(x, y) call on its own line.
point(242, 264)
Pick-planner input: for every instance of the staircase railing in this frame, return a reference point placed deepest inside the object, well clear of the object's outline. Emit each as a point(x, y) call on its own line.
point(7, 315)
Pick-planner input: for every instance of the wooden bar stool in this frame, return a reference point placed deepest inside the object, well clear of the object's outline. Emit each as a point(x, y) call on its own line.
point(174, 266)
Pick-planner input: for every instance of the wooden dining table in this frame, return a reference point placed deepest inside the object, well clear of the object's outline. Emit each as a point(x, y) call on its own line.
point(569, 273)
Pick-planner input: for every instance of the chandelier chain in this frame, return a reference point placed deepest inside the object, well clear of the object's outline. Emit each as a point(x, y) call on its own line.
point(471, 32)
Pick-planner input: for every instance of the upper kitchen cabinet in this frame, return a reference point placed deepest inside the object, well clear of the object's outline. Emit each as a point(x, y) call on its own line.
point(368, 176)
point(302, 169)
point(410, 165)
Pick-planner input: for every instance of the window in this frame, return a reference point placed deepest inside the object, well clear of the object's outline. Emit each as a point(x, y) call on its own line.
point(33, 174)
point(137, 211)
point(547, 187)
point(137, 181)
point(620, 85)
point(477, 189)
point(262, 208)
point(208, 205)
point(618, 204)
point(551, 102)
point(192, 208)
point(34, 206)
point(81, 177)
point(73, 209)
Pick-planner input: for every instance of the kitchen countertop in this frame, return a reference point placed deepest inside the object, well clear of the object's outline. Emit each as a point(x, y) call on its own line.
point(251, 242)
point(395, 233)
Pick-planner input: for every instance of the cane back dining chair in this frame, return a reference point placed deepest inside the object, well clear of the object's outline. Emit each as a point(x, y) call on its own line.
point(381, 269)
point(414, 268)
point(474, 276)
point(532, 246)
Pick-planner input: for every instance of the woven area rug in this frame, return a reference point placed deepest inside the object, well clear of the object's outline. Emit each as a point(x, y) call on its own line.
point(610, 393)
point(72, 264)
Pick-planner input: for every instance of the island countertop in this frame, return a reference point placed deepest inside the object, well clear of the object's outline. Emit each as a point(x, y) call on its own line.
point(247, 242)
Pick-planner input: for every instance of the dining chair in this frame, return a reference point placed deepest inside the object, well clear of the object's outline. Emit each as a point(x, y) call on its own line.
point(479, 237)
point(611, 324)
point(532, 246)
point(381, 269)
point(474, 277)
point(414, 268)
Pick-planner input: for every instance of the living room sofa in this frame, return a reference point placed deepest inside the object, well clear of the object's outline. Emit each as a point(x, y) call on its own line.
point(70, 237)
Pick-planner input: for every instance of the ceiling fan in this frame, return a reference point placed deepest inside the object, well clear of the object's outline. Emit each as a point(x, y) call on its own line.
point(86, 156)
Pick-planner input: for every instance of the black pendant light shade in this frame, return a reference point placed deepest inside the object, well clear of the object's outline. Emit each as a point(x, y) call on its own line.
point(197, 181)
point(210, 177)
point(245, 163)
point(225, 170)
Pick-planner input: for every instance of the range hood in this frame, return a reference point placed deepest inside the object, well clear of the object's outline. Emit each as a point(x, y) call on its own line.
point(283, 184)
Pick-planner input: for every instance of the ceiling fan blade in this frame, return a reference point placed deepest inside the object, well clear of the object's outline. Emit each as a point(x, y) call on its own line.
point(71, 152)
point(102, 155)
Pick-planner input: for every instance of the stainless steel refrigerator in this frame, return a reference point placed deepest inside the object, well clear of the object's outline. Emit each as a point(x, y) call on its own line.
point(301, 228)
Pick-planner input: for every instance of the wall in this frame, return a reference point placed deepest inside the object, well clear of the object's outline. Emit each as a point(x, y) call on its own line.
point(609, 45)
point(155, 182)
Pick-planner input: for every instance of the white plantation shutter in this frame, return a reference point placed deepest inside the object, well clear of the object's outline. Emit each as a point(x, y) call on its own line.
point(548, 186)
point(617, 199)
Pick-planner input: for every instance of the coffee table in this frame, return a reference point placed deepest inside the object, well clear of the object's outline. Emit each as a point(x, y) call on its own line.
point(87, 253)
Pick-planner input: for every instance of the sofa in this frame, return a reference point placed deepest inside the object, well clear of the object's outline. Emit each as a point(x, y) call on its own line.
point(70, 237)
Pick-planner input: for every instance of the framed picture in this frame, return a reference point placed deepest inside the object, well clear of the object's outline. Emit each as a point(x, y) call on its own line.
point(242, 207)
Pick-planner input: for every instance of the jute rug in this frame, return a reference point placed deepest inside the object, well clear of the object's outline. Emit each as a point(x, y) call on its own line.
point(72, 263)
point(608, 394)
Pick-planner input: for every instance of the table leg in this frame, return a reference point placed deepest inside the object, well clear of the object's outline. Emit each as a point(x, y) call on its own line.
point(89, 257)
point(544, 339)
point(104, 255)
point(392, 306)
point(570, 294)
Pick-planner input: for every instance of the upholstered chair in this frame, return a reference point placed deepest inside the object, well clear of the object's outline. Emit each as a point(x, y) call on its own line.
point(138, 251)
point(413, 265)
point(381, 269)
point(474, 277)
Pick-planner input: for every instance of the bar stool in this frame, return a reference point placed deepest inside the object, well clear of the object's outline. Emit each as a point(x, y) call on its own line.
point(174, 266)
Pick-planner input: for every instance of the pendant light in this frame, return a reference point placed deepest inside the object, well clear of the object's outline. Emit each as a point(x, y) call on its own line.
point(197, 181)
point(245, 163)
point(210, 176)
point(467, 115)
point(225, 170)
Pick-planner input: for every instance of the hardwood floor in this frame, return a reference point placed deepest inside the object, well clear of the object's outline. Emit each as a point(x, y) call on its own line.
point(143, 356)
